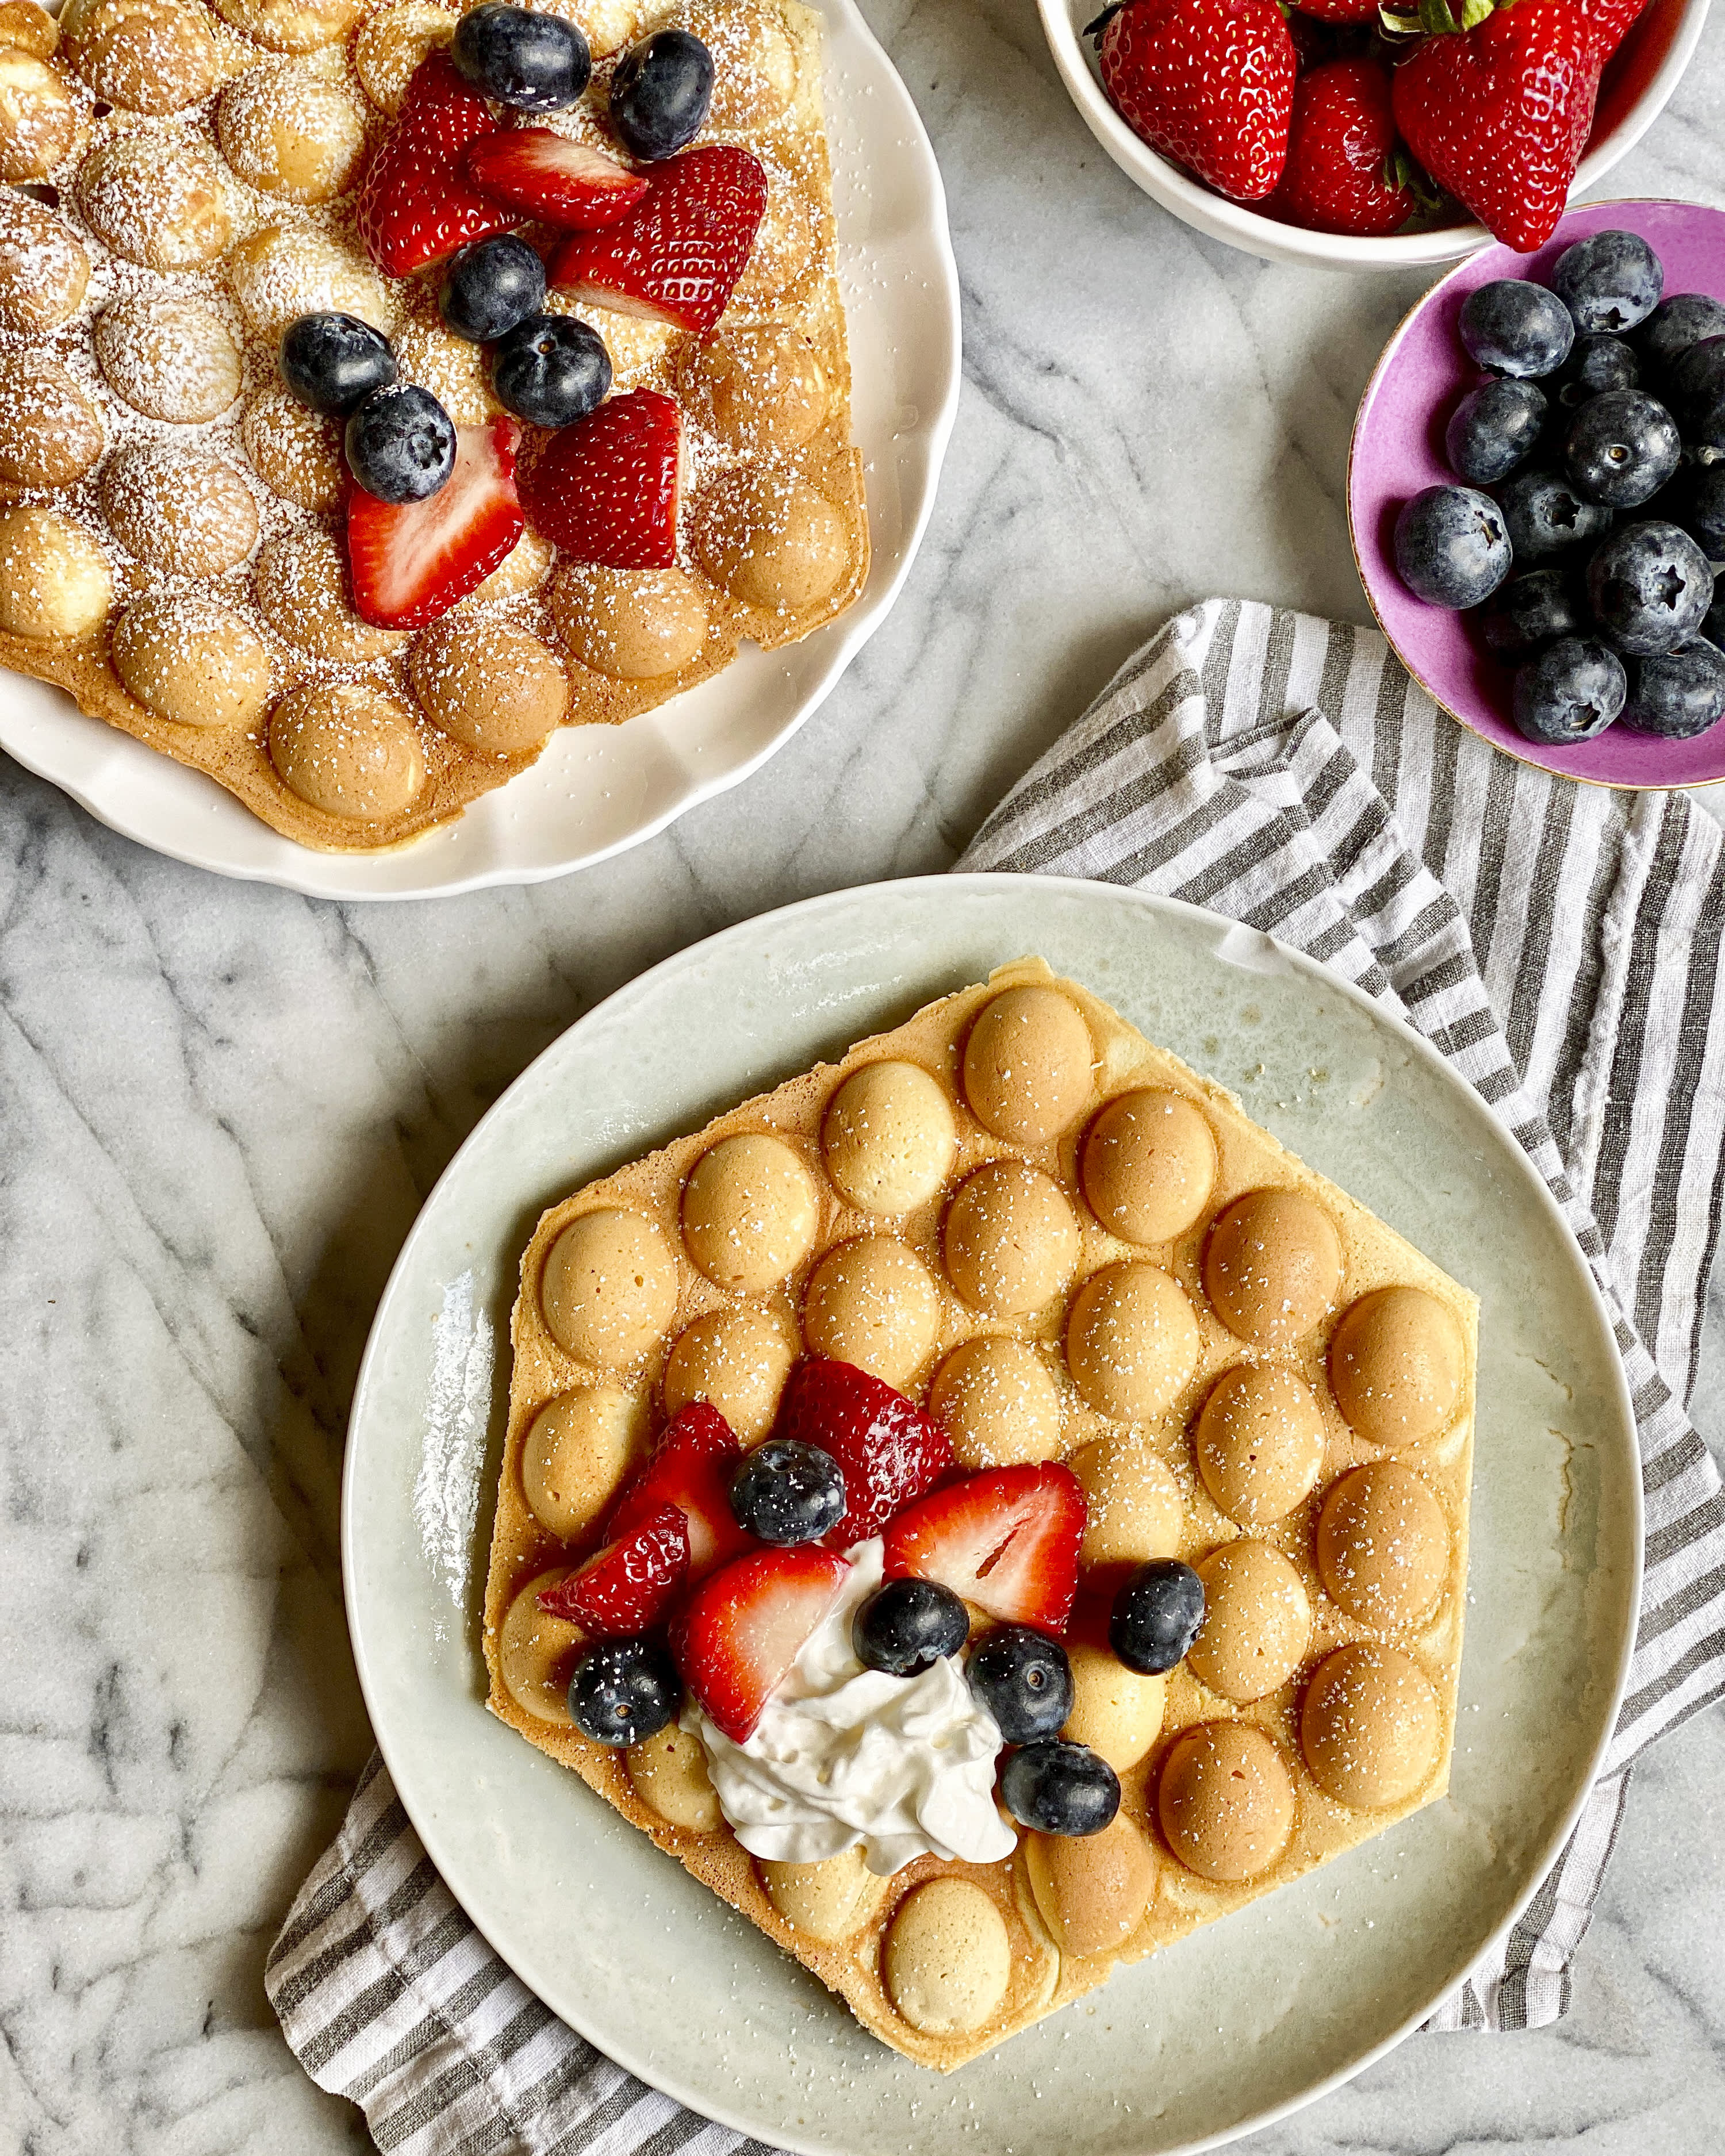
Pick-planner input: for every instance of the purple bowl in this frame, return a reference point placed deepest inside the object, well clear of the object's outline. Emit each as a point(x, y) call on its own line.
point(1398, 449)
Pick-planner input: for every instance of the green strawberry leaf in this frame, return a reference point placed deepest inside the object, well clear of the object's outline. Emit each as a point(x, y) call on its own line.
point(1435, 18)
point(1401, 171)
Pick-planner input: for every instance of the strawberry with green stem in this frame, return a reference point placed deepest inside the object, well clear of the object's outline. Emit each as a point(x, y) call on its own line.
point(1497, 104)
point(1346, 171)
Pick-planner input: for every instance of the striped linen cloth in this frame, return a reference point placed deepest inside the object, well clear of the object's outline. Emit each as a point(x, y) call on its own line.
point(1559, 944)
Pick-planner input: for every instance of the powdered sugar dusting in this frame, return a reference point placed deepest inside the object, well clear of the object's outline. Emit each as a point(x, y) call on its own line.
point(446, 1489)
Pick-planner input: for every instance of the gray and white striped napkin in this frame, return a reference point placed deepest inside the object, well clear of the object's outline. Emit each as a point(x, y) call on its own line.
point(1559, 944)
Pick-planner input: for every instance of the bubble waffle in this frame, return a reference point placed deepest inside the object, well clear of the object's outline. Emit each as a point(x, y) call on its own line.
point(1072, 1246)
point(170, 518)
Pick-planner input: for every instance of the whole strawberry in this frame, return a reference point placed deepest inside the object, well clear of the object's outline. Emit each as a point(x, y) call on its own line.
point(1341, 11)
point(1343, 173)
point(1611, 22)
point(1500, 114)
point(1209, 82)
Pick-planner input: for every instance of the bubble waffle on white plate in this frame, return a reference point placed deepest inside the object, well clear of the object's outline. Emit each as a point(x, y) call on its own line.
point(183, 183)
point(1096, 1273)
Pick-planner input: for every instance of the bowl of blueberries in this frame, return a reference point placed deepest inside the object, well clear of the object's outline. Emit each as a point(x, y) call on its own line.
point(1536, 495)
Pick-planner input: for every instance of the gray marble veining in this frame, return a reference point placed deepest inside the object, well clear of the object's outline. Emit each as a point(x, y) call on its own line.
point(223, 1106)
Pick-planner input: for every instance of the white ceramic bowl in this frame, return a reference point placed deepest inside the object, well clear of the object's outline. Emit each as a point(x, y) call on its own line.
point(1637, 84)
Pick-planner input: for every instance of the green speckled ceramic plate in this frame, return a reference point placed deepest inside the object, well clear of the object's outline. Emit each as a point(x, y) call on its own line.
point(1253, 2015)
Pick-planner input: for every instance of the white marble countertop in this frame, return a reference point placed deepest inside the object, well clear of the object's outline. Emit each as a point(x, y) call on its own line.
point(223, 1105)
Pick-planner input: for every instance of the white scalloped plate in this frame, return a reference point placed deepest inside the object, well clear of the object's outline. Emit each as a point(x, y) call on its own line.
point(598, 789)
point(1253, 2015)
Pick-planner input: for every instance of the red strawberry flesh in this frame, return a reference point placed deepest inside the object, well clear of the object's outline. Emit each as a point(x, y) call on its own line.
point(546, 176)
point(1006, 1540)
point(890, 1451)
point(737, 1637)
point(676, 257)
point(629, 1584)
point(690, 1468)
point(414, 206)
point(606, 489)
point(412, 561)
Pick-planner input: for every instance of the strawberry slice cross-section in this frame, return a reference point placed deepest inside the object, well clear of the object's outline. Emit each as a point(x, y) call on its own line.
point(630, 1583)
point(544, 175)
point(676, 257)
point(606, 491)
point(690, 1468)
point(415, 206)
point(889, 1449)
point(412, 561)
point(1006, 1540)
point(738, 1636)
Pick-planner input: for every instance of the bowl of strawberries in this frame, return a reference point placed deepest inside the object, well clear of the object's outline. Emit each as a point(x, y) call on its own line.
point(1353, 135)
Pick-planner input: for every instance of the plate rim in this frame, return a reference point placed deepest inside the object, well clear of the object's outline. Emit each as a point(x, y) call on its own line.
point(1517, 752)
point(300, 870)
point(784, 2136)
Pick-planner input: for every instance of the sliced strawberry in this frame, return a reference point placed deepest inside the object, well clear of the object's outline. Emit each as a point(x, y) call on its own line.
point(607, 489)
point(1006, 1540)
point(890, 1451)
point(412, 561)
point(544, 175)
point(677, 255)
point(414, 206)
point(690, 1468)
point(736, 1638)
point(628, 1585)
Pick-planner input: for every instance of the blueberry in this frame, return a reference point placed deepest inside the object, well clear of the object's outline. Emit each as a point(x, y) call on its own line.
point(332, 361)
point(1513, 327)
point(1698, 393)
point(1545, 516)
point(551, 369)
point(1678, 694)
point(1061, 1789)
point(1621, 448)
point(1610, 280)
point(1650, 587)
point(1676, 324)
point(487, 289)
point(660, 93)
point(1024, 1679)
point(1522, 617)
point(1156, 1616)
point(1451, 548)
point(1492, 428)
point(1699, 498)
point(535, 63)
point(907, 1625)
point(1595, 364)
point(624, 1691)
point(786, 1492)
point(401, 443)
point(1572, 690)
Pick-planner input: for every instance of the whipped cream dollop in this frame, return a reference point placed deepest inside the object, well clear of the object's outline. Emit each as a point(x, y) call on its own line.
point(845, 1755)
